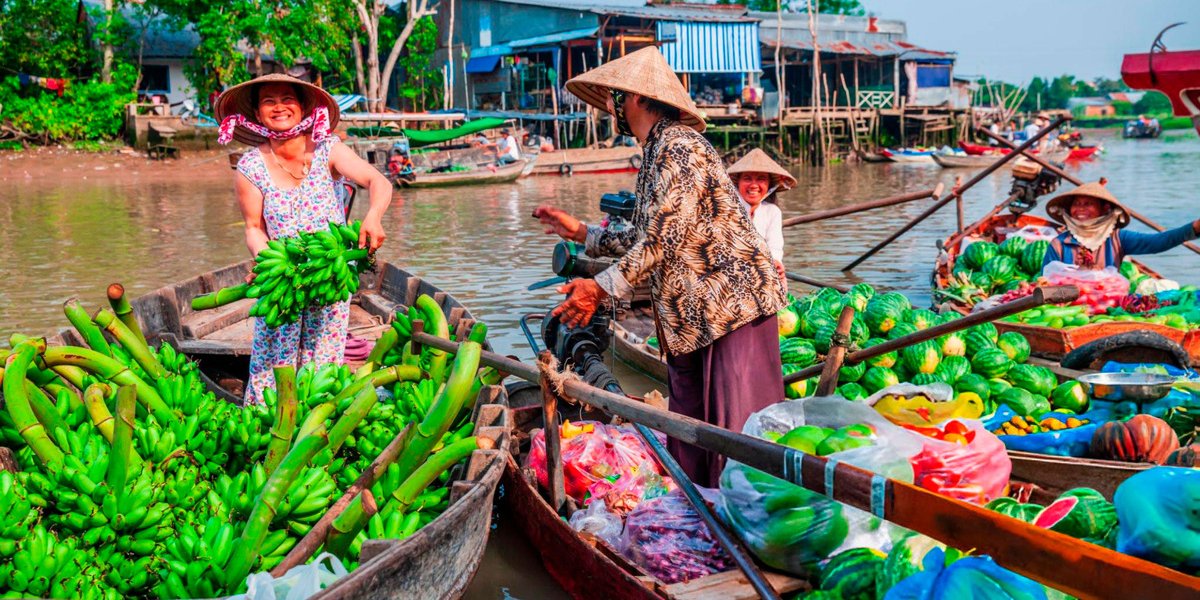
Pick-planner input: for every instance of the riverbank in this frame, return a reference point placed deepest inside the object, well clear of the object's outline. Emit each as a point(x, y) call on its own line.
point(64, 165)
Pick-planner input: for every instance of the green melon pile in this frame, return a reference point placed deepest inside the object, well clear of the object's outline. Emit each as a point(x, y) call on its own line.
point(984, 269)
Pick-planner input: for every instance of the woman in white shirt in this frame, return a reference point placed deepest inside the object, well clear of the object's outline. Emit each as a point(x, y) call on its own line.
point(758, 178)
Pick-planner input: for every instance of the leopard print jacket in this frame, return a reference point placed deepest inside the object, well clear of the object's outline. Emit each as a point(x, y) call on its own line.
point(709, 270)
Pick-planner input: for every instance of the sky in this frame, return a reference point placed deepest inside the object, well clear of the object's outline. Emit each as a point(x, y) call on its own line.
point(1014, 40)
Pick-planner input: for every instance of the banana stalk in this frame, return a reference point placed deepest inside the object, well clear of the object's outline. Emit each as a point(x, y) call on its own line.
point(220, 297)
point(386, 342)
point(246, 551)
point(350, 419)
point(132, 342)
point(17, 401)
point(72, 374)
point(60, 391)
point(122, 442)
point(85, 327)
point(44, 409)
point(404, 496)
point(120, 306)
point(94, 398)
point(435, 325)
point(478, 333)
point(444, 411)
point(285, 417)
point(381, 377)
point(110, 369)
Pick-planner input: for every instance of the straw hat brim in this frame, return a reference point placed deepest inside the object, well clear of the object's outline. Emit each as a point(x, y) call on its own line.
point(1060, 204)
point(239, 100)
point(757, 161)
point(645, 73)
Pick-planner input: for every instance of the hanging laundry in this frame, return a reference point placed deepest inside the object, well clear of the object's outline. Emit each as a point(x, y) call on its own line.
point(55, 85)
point(24, 79)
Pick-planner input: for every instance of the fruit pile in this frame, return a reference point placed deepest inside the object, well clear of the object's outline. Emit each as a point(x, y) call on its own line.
point(1019, 425)
point(290, 275)
point(1081, 513)
point(135, 481)
point(823, 441)
point(1174, 308)
point(985, 269)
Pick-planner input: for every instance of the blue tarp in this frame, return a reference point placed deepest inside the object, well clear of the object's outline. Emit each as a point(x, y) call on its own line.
point(701, 47)
point(483, 64)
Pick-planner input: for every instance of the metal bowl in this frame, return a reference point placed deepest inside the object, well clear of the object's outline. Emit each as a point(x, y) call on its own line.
point(1134, 387)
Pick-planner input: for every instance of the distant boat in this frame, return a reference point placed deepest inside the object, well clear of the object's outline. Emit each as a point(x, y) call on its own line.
point(1138, 129)
point(908, 155)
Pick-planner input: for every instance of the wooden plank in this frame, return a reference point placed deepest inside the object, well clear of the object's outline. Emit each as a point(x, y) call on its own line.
point(377, 305)
point(206, 347)
point(206, 322)
point(732, 585)
point(1057, 474)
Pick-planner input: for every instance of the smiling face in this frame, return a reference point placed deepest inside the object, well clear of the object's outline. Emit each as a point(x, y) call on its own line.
point(279, 106)
point(1084, 208)
point(753, 187)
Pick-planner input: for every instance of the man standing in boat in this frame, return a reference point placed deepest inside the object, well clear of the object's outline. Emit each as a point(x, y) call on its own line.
point(713, 284)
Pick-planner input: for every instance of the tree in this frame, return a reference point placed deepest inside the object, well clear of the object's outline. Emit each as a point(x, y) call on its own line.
point(44, 38)
point(1153, 103)
point(832, 7)
point(377, 80)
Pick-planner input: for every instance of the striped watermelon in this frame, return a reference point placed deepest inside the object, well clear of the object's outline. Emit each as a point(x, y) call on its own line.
point(922, 357)
point(975, 341)
point(1014, 246)
point(851, 373)
point(887, 359)
point(1081, 513)
point(797, 351)
point(814, 319)
point(877, 378)
point(905, 559)
point(1012, 508)
point(1014, 345)
point(1000, 269)
point(1033, 256)
point(990, 362)
point(979, 253)
point(852, 573)
point(901, 330)
point(852, 391)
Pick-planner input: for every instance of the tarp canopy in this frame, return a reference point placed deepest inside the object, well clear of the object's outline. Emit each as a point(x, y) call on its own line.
point(710, 47)
point(428, 137)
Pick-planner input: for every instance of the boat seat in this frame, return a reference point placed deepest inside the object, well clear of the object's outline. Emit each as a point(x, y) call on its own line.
point(201, 324)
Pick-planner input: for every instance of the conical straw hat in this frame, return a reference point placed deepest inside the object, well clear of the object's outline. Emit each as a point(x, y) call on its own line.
point(239, 100)
point(645, 73)
point(1061, 203)
point(757, 161)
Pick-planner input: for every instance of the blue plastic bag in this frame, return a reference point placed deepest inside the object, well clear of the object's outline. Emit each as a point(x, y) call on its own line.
point(1067, 442)
point(974, 577)
point(1158, 511)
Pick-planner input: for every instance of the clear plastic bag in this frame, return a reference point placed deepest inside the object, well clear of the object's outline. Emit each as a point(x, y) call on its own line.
point(1157, 516)
point(1034, 233)
point(791, 528)
point(667, 538)
point(1099, 289)
point(969, 463)
point(941, 405)
point(597, 520)
point(302, 581)
point(629, 490)
point(593, 453)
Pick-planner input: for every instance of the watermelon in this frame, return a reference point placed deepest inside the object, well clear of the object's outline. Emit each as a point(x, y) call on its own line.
point(895, 299)
point(882, 314)
point(877, 378)
point(905, 558)
point(797, 351)
point(1071, 396)
point(852, 391)
point(952, 368)
point(982, 280)
point(813, 320)
point(1000, 269)
point(920, 318)
point(1014, 345)
point(979, 253)
point(789, 322)
point(1038, 381)
point(851, 374)
point(1079, 513)
point(887, 359)
point(852, 573)
point(1022, 402)
point(859, 296)
point(796, 389)
point(828, 300)
point(1014, 246)
point(922, 357)
point(901, 330)
point(1013, 508)
point(859, 334)
point(1033, 256)
point(974, 341)
point(926, 379)
point(991, 363)
point(823, 338)
point(988, 329)
point(1012, 284)
point(976, 384)
point(954, 344)
point(998, 386)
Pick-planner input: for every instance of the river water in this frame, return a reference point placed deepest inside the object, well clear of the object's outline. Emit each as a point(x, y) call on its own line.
point(71, 231)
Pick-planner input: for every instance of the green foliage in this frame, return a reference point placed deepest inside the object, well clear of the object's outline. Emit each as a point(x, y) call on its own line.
point(88, 110)
point(421, 83)
point(43, 38)
point(1153, 103)
point(852, 8)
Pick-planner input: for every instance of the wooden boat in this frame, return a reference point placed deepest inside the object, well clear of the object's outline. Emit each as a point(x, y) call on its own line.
point(578, 161)
point(1174, 73)
point(476, 176)
point(438, 561)
point(586, 567)
point(1049, 342)
point(1080, 153)
point(908, 155)
point(957, 161)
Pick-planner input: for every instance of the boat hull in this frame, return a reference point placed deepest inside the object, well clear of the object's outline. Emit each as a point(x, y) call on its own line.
point(594, 161)
point(479, 176)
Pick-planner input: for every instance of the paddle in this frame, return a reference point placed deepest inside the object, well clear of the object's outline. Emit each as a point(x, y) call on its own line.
point(815, 283)
point(1073, 566)
point(1075, 180)
point(934, 193)
point(957, 193)
point(1040, 296)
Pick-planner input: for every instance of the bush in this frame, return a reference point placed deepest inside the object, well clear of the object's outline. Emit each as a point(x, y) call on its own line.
point(87, 110)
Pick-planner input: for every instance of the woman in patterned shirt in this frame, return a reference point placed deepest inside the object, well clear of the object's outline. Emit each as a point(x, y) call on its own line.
point(713, 285)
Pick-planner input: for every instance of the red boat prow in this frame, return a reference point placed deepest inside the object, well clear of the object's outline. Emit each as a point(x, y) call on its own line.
point(1175, 74)
point(1079, 153)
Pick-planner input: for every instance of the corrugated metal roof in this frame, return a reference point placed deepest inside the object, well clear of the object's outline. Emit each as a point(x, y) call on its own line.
point(711, 47)
point(719, 13)
point(803, 41)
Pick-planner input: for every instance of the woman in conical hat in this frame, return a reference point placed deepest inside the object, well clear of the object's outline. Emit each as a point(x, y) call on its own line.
point(759, 179)
point(1095, 235)
point(714, 288)
point(285, 186)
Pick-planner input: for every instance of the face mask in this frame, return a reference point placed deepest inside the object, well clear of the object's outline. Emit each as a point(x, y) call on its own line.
point(618, 98)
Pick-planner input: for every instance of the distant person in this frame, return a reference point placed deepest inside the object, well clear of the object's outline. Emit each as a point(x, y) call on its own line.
point(507, 149)
point(758, 180)
point(1095, 237)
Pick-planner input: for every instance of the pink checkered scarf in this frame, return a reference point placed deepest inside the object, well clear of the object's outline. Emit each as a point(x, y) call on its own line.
point(318, 121)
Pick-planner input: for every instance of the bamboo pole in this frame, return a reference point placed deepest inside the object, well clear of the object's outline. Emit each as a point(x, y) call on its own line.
point(1001, 161)
point(814, 282)
point(553, 437)
point(837, 352)
point(841, 211)
point(1032, 551)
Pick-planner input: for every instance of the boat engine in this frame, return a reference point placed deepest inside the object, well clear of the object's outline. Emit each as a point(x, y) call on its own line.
point(1030, 181)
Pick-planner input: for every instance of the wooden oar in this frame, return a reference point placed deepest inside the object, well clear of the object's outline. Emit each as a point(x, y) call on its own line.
point(934, 193)
point(1073, 566)
point(958, 192)
point(958, 237)
point(1040, 296)
point(837, 352)
point(1077, 181)
point(814, 282)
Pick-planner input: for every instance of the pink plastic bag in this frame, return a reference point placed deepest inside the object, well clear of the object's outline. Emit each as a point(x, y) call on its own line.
point(594, 453)
point(668, 539)
point(976, 471)
point(1099, 290)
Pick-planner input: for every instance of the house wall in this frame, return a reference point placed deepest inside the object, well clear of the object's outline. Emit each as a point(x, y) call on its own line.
point(181, 88)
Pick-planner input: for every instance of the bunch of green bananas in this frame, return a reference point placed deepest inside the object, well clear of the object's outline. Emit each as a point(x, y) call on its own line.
point(196, 559)
point(17, 514)
point(41, 566)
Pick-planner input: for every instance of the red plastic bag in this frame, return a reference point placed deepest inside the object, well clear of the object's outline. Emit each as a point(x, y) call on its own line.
point(962, 460)
point(1099, 290)
point(595, 457)
point(668, 539)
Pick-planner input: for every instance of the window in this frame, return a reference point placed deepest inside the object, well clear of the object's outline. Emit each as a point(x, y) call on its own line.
point(933, 75)
point(155, 78)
